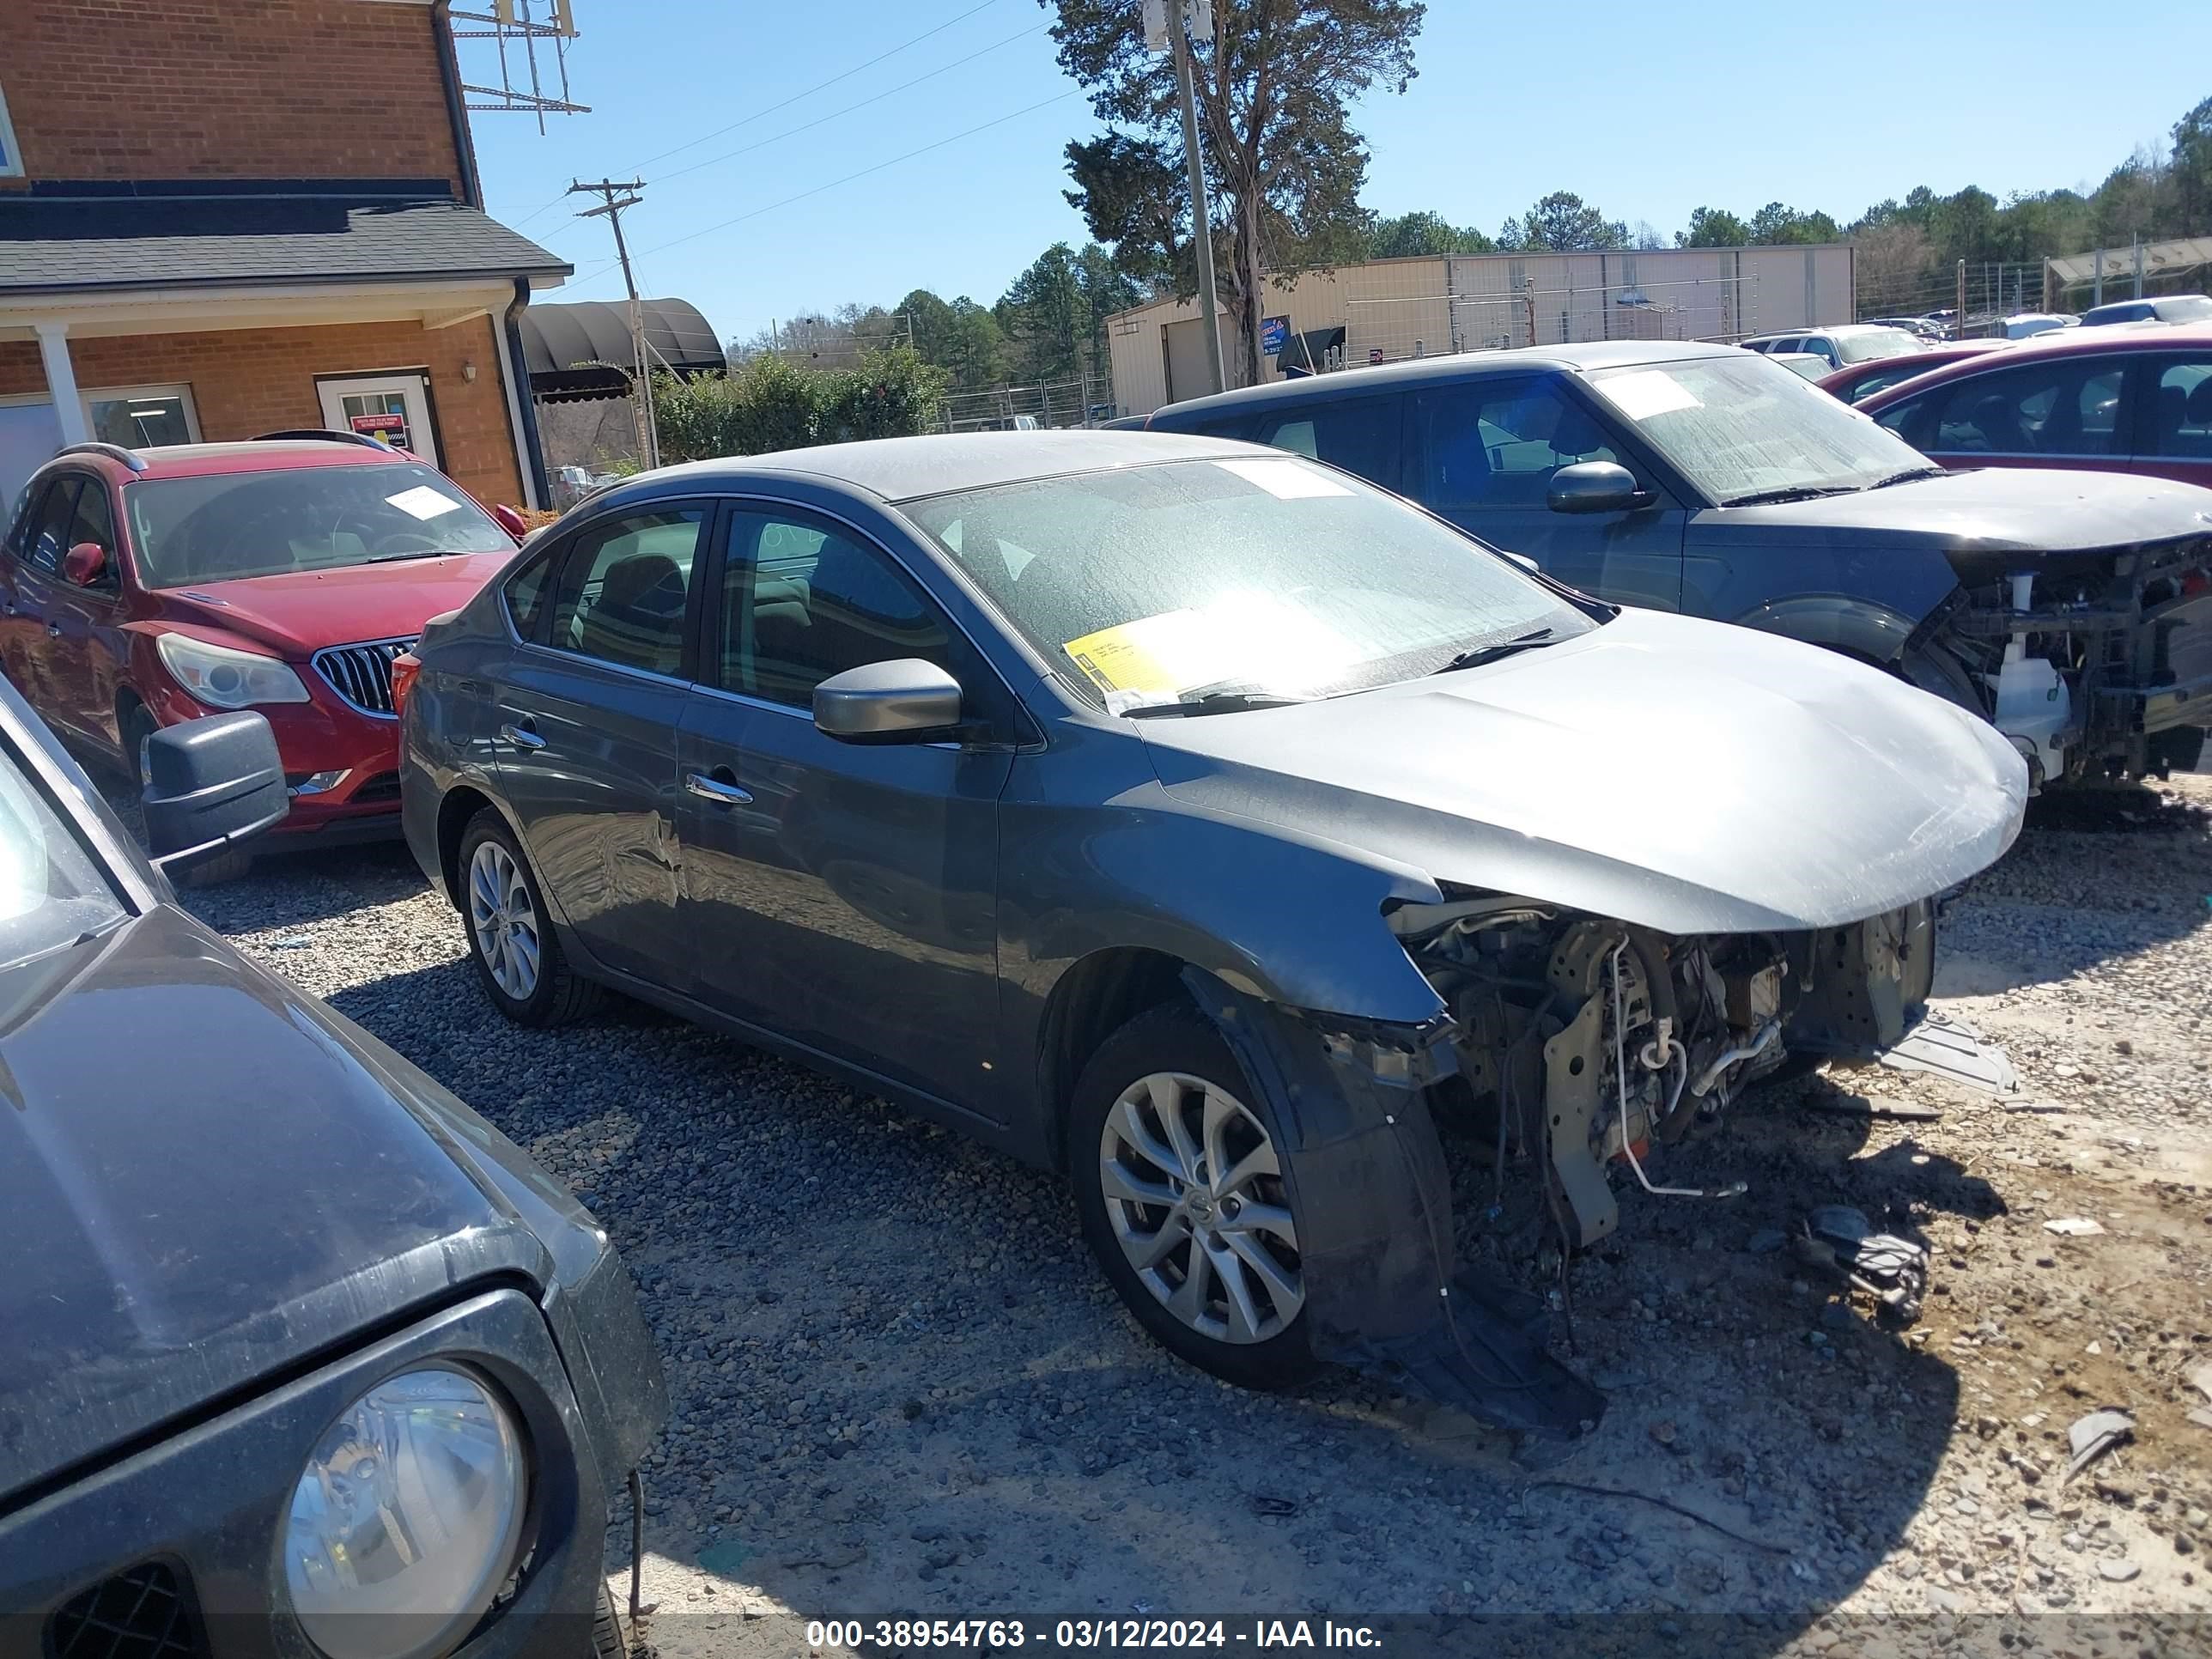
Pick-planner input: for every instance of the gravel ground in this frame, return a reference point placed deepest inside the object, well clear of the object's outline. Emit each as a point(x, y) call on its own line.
point(901, 1387)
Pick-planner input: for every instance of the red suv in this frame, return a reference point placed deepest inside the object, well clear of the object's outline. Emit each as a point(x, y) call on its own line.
point(142, 587)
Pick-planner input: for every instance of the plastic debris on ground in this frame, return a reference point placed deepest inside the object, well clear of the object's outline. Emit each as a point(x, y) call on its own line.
point(2074, 1227)
point(1840, 1240)
point(2092, 1436)
point(1942, 1046)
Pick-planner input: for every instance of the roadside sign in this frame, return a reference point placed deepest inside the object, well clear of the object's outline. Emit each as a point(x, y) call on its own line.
point(1374, 354)
point(1274, 334)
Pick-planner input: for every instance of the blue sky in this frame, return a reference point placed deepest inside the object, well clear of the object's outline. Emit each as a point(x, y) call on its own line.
point(1646, 111)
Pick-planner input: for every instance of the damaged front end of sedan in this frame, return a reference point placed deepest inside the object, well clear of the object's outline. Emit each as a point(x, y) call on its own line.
point(1570, 1046)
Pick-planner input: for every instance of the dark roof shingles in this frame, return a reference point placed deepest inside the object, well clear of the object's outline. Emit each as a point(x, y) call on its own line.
point(76, 243)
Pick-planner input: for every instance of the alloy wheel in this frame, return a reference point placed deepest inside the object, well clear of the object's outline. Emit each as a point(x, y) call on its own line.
point(504, 921)
point(1194, 1194)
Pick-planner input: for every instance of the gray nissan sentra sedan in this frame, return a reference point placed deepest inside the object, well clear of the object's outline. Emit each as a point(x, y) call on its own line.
point(1203, 822)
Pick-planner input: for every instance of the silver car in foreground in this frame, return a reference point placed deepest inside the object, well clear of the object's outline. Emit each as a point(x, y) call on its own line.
point(1207, 823)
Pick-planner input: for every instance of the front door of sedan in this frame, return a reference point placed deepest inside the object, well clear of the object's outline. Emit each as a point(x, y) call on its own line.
point(842, 895)
point(1482, 453)
point(585, 721)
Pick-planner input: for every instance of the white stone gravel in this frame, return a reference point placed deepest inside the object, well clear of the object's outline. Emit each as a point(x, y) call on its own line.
point(900, 1386)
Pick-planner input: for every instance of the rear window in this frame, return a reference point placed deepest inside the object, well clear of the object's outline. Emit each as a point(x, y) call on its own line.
point(224, 526)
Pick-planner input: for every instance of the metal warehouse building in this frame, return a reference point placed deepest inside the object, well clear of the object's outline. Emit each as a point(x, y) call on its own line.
point(1390, 309)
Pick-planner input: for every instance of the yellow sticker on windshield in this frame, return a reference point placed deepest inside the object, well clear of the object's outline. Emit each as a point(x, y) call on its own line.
point(1155, 655)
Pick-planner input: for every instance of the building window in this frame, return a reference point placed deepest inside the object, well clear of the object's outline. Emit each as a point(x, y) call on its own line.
point(141, 416)
point(11, 159)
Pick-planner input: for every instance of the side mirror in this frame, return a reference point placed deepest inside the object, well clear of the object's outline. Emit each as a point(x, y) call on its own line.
point(1595, 487)
point(84, 563)
point(907, 700)
point(209, 784)
point(510, 520)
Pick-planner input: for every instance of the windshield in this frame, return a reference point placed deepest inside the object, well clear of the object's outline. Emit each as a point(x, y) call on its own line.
point(52, 893)
point(1738, 426)
point(229, 525)
point(1864, 345)
point(1268, 575)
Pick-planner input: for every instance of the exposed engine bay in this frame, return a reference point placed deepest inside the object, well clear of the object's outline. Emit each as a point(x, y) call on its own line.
point(2096, 666)
point(1581, 1043)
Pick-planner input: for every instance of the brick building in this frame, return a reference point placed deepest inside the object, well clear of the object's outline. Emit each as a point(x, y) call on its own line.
point(225, 217)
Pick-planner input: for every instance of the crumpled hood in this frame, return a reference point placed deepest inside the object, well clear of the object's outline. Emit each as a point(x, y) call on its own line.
point(208, 1177)
point(297, 615)
point(1681, 775)
point(2012, 510)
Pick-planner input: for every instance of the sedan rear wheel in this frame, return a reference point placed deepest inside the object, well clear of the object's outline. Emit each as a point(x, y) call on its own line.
point(1181, 1187)
point(518, 956)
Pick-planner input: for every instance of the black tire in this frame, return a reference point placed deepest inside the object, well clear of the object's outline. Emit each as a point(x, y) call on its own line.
point(609, 1641)
point(559, 993)
point(1174, 1037)
point(137, 726)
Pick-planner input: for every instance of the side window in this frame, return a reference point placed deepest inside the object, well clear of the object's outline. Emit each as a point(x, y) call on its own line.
point(1360, 435)
point(623, 588)
point(95, 523)
point(2181, 410)
point(802, 600)
point(1909, 420)
point(1823, 348)
point(2068, 406)
point(46, 535)
point(1495, 443)
point(525, 596)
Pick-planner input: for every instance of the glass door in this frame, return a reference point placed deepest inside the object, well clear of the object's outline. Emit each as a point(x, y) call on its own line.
point(394, 407)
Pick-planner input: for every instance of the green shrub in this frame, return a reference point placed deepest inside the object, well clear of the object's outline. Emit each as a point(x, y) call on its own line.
point(770, 403)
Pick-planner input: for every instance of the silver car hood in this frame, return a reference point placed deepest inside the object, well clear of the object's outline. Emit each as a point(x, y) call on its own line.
point(1681, 775)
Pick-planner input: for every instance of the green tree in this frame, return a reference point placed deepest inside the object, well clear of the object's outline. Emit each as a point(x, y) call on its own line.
point(2191, 170)
point(1713, 228)
point(1043, 314)
point(1778, 223)
point(1560, 222)
point(1423, 233)
point(1274, 89)
point(1133, 197)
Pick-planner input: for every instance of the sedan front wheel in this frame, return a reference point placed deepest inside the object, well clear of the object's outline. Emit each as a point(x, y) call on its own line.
point(1180, 1184)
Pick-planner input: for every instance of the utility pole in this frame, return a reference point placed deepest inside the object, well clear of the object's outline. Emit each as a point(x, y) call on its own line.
point(611, 209)
point(1201, 218)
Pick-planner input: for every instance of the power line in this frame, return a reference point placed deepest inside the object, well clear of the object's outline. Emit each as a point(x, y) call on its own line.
point(819, 86)
point(708, 230)
point(788, 132)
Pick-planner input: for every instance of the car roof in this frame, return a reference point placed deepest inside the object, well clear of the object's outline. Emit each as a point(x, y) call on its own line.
point(1831, 328)
point(2058, 343)
point(258, 455)
point(936, 463)
point(1456, 366)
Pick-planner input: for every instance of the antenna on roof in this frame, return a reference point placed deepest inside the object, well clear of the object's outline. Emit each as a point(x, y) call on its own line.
point(520, 27)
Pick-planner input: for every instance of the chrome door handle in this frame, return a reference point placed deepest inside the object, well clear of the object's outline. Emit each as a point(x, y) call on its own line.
point(713, 789)
point(53, 631)
point(520, 737)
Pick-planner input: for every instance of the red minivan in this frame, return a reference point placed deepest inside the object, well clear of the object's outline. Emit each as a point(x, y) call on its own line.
point(142, 588)
point(2131, 398)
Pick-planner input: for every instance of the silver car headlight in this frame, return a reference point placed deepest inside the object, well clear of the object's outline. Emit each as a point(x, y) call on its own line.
point(404, 1522)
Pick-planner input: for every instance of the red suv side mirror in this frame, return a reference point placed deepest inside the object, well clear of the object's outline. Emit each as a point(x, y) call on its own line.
point(83, 563)
point(511, 521)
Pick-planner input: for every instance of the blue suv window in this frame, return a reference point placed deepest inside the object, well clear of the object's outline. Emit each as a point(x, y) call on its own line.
point(1360, 435)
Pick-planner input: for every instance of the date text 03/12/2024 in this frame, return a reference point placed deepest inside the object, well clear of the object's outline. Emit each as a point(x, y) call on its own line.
point(1005, 1635)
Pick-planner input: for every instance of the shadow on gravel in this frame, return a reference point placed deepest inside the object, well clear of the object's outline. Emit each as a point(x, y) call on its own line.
point(900, 1386)
point(286, 888)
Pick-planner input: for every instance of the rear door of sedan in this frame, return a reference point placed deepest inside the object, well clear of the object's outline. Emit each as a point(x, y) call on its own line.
point(586, 720)
point(2173, 429)
point(842, 895)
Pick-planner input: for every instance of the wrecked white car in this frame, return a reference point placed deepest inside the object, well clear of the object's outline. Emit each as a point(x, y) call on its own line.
point(1207, 823)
